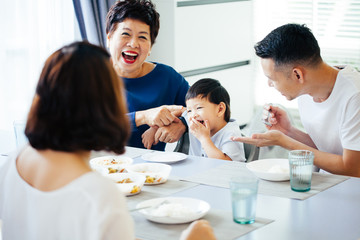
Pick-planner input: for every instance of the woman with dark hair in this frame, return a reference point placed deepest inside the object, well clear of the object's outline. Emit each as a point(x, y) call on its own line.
point(48, 191)
point(152, 89)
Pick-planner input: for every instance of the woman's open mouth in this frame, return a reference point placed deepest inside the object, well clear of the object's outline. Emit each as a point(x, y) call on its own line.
point(129, 56)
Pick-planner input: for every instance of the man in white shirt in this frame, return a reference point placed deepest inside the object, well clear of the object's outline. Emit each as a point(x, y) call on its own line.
point(328, 97)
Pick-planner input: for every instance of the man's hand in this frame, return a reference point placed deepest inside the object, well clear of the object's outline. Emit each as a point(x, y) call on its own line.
point(269, 138)
point(278, 119)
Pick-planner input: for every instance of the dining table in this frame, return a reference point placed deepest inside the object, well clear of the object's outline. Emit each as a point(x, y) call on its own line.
point(331, 210)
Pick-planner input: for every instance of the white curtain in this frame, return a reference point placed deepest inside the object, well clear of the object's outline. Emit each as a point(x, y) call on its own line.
point(30, 31)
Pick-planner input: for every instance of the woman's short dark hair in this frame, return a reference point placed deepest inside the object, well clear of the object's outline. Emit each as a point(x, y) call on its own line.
point(79, 103)
point(289, 44)
point(142, 10)
point(212, 90)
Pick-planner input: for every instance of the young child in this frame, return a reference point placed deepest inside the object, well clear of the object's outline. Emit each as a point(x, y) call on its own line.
point(208, 118)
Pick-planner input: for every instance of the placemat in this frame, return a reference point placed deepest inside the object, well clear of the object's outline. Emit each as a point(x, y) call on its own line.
point(172, 185)
point(221, 221)
point(220, 177)
point(132, 201)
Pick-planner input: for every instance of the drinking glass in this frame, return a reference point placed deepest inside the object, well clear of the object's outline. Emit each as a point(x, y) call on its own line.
point(243, 191)
point(301, 168)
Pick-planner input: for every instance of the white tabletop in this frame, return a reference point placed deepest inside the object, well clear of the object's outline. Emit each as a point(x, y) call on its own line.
point(331, 214)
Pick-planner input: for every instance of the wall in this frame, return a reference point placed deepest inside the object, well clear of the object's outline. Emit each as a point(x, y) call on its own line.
point(210, 38)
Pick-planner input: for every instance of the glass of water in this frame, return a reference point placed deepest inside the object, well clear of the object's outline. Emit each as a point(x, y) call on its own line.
point(243, 191)
point(301, 168)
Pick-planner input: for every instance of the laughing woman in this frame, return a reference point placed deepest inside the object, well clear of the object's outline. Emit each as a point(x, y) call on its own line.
point(152, 89)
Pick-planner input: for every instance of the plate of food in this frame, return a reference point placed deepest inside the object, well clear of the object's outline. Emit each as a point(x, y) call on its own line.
point(273, 169)
point(173, 210)
point(154, 173)
point(164, 157)
point(110, 164)
point(128, 183)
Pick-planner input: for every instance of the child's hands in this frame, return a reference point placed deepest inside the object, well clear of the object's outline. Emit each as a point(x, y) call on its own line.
point(148, 137)
point(199, 130)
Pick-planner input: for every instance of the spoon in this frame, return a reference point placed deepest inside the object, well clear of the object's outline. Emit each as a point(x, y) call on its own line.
point(266, 120)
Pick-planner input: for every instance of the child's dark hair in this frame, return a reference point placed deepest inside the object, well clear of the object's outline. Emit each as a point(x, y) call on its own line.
point(212, 90)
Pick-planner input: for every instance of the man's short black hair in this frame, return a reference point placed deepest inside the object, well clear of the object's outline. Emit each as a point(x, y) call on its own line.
point(290, 44)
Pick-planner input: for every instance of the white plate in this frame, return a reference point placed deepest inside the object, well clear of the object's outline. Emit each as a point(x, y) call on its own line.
point(273, 169)
point(164, 157)
point(110, 163)
point(192, 209)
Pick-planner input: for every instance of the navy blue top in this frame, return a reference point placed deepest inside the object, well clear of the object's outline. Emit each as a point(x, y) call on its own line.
point(162, 86)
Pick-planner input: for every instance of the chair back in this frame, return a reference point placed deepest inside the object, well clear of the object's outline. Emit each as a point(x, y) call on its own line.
point(183, 144)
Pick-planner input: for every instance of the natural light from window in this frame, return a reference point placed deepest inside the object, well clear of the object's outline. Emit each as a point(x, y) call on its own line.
point(335, 24)
point(31, 31)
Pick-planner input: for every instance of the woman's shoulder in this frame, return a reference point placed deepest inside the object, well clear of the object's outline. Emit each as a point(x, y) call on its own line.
point(97, 186)
point(165, 69)
point(163, 66)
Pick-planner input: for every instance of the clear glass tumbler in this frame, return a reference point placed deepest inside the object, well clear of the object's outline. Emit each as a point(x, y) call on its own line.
point(243, 191)
point(301, 167)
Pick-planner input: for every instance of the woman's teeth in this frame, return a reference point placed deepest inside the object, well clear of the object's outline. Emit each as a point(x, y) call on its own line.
point(129, 56)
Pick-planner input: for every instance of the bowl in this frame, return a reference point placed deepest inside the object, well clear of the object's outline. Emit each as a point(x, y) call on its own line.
point(110, 164)
point(128, 183)
point(273, 169)
point(155, 173)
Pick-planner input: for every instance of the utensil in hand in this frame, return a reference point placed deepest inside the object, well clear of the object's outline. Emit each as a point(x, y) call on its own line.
point(266, 120)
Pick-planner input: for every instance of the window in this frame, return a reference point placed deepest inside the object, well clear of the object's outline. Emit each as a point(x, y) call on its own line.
point(31, 31)
point(335, 24)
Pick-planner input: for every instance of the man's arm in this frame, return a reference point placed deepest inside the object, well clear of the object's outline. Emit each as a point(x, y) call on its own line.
point(300, 136)
point(347, 164)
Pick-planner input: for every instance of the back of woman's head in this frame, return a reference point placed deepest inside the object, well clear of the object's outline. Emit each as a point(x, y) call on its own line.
point(142, 10)
point(213, 91)
point(79, 103)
